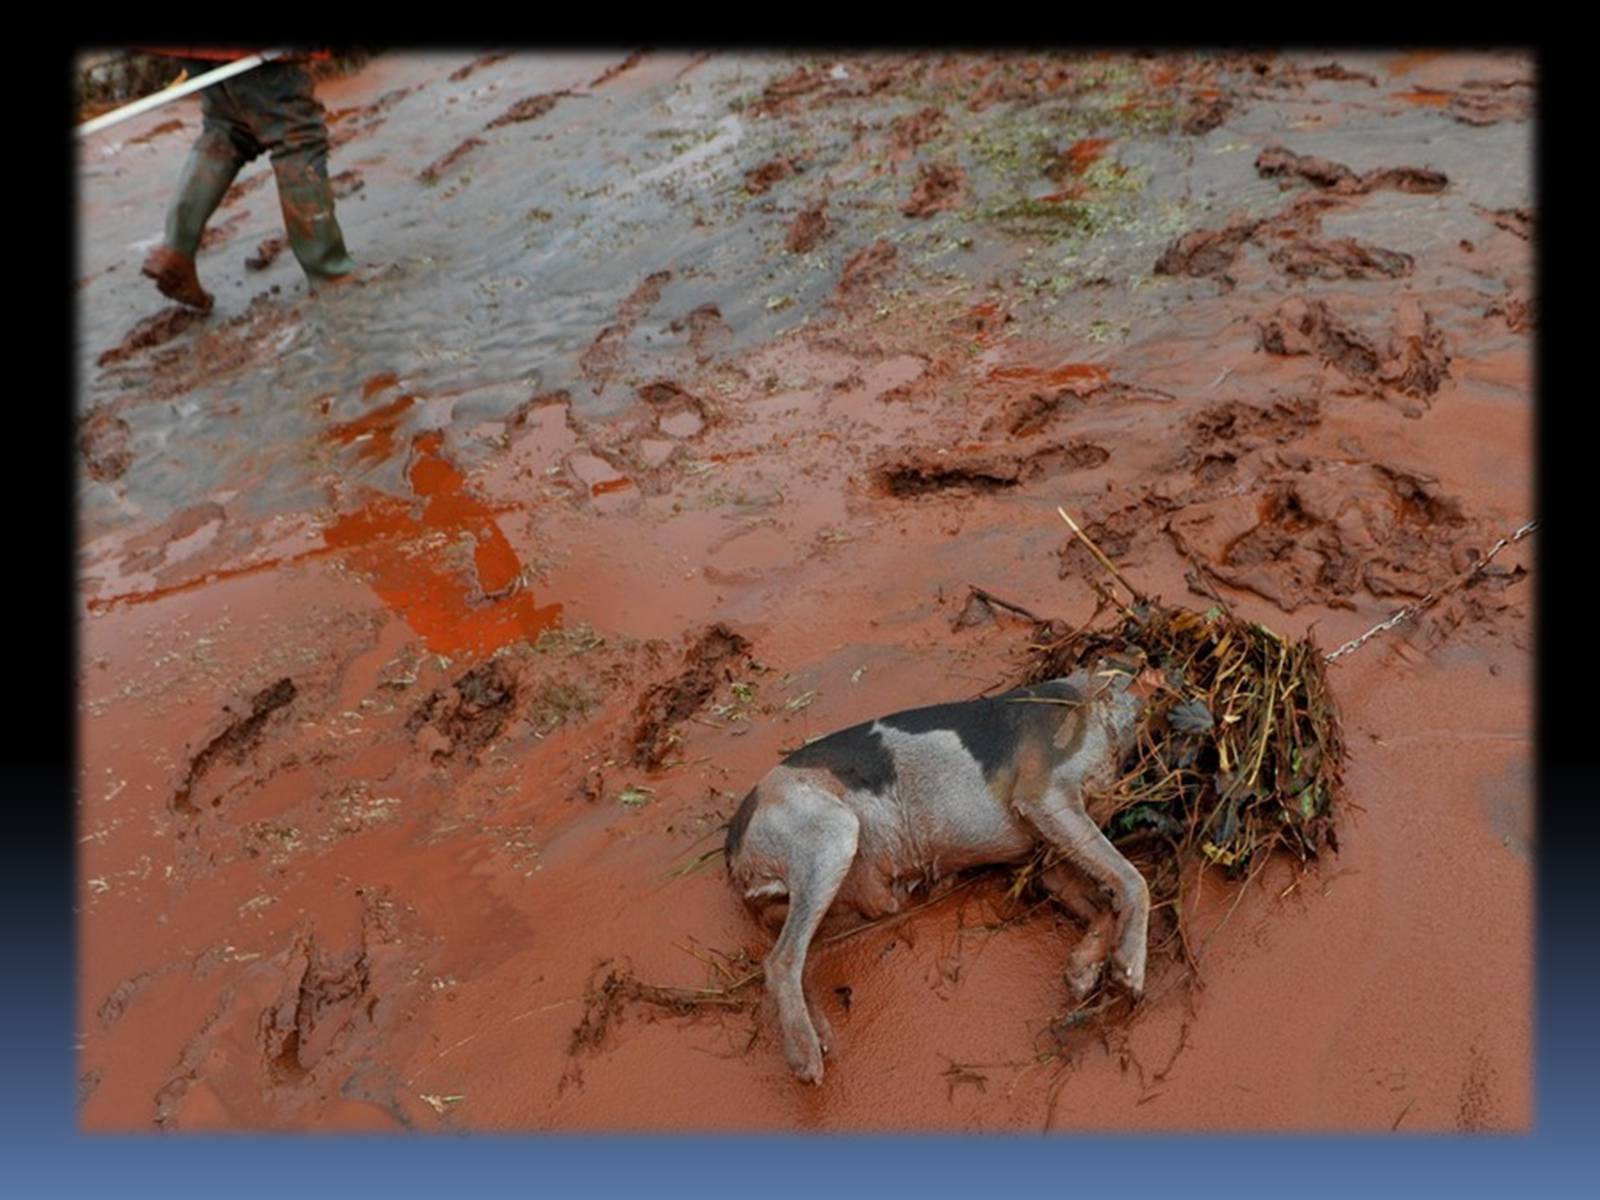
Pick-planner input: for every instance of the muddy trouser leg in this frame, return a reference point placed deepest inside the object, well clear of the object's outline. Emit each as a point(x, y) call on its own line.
point(223, 147)
point(295, 133)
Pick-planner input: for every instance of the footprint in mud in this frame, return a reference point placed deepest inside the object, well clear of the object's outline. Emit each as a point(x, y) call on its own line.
point(808, 228)
point(1115, 534)
point(604, 355)
point(940, 188)
point(435, 170)
point(235, 741)
point(1279, 162)
point(529, 108)
point(461, 74)
point(707, 662)
point(288, 1027)
point(1414, 361)
point(156, 330)
point(469, 714)
point(267, 253)
point(678, 413)
point(1318, 536)
point(980, 468)
point(759, 180)
point(104, 441)
point(868, 267)
point(908, 133)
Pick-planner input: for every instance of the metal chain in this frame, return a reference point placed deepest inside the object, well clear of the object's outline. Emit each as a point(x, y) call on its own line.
point(1431, 598)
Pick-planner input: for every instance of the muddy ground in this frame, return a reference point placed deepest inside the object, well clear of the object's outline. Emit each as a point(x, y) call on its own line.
point(432, 628)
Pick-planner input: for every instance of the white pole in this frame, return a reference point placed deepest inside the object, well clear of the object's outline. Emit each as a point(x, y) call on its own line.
point(187, 87)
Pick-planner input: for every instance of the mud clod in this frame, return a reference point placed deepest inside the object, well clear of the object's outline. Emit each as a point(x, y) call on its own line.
point(460, 74)
point(1206, 252)
point(868, 266)
point(1345, 258)
point(1206, 115)
point(759, 180)
point(1415, 361)
point(908, 133)
point(808, 228)
point(103, 440)
point(432, 173)
point(153, 331)
point(940, 188)
point(706, 664)
point(467, 715)
point(980, 469)
point(530, 108)
point(1277, 162)
point(267, 253)
point(236, 740)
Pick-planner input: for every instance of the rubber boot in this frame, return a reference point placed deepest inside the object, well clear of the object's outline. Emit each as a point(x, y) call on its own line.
point(308, 217)
point(210, 170)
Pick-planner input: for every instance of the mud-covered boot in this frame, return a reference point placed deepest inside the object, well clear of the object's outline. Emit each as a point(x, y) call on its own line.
point(308, 216)
point(209, 171)
point(176, 277)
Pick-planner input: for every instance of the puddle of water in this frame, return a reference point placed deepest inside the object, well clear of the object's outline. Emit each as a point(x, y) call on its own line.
point(655, 451)
point(372, 433)
point(682, 424)
point(418, 566)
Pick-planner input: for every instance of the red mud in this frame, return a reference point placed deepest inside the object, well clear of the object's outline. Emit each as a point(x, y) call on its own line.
point(611, 73)
point(908, 133)
point(867, 267)
point(392, 801)
point(432, 172)
point(1206, 251)
point(461, 74)
point(103, 441)
point(1477, 102)
point(1413, 360)
point(809, 227)
point(1276, 161)
point(759, 180)
point(1079, 157)
point(473, 602)
point(707, 663)
point(267, 252)
point(530, 108)
point(153, 331)
point(940, 188)
point(1344, 258)
point(151, 135)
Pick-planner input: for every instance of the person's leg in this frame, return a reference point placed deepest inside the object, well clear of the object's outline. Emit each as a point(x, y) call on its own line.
point(291, 126)
point(223, 147)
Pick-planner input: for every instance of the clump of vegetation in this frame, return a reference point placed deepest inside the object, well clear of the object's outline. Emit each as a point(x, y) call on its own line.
point(1241, 752)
